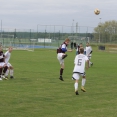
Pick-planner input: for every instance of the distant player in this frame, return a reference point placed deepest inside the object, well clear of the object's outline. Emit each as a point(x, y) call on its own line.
point(79, 70)
point(10, 67)
point(89, 53)
point(78, 48)
point(3, 66)
point(61, 55)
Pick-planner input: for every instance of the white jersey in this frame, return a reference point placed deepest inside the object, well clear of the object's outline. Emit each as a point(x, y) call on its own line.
point(7, 56)
point(88, 50)
point(79, 62)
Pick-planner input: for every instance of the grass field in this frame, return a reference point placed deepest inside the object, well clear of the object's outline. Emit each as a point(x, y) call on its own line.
point(36, 90)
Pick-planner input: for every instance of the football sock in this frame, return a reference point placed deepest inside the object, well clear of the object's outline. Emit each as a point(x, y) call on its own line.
point(61, 71)
point(5, 69)
point(83, 81)
point(11, 72)
point(76, 86)
point(90, 63)
point(7, 72)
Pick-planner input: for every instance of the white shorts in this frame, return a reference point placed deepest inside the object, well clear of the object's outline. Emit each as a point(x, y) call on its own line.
point(9, 65)
point(59, 57)
point(76, 76)
point(2, 64)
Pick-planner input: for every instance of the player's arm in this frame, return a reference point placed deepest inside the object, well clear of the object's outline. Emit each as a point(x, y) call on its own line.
point(69, 50)
point(76, 60)
point(87, 64)
point(91, 50)
point(64, 49)
point(5, 54)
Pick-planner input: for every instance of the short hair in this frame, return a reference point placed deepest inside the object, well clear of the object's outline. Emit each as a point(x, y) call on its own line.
point(67, 39)
point(81, 50)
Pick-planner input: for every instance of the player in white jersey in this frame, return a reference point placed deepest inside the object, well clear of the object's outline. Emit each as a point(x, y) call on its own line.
point(79, 70)
point(10, 67)
point(89, 53)
point(61, 56)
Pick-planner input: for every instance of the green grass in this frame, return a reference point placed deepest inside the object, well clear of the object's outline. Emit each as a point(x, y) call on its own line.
point(36, 90)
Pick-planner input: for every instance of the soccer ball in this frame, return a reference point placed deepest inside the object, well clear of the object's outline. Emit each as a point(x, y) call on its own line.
point(97, 11)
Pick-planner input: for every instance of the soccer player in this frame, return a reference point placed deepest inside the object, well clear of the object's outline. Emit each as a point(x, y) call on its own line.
point(79, 70)
point(78, 48)
point(61, 56)
point(3, 66)
point(89, 53)
point(10, 67)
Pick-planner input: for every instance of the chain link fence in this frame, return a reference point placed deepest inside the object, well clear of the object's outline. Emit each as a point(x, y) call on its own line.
point(50, 36)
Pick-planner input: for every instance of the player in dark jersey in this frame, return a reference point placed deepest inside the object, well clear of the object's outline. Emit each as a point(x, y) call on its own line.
point(78, 49)
point(61, 56)
point(3, 66)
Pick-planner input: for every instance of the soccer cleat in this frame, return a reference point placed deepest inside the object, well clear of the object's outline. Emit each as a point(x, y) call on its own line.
point(61, 78)
point(64, 56)
point(76, 92)
point(11, 77)
point(0, 78)
point(83, 89)
point(5, 78)
point(91, 64)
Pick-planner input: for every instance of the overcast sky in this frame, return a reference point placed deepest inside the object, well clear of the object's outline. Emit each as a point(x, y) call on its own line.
point(27, 14)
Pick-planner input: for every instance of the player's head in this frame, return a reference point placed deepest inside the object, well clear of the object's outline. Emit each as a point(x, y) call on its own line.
point(87, 44)
point(81, 45)
point(67, 40)
point(10, 49)
point(81, 50)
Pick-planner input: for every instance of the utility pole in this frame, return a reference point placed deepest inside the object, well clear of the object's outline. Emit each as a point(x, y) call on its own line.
point(99, 29)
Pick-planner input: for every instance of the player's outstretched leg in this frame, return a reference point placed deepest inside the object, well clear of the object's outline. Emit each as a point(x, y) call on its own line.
point(76, 88)
point(61, 73)
point(4, 71)
point(11, 73)
point(61, 78)
point(64, 56)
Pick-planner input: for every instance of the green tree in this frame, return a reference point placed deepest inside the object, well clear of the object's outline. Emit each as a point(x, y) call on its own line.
point(106, 32)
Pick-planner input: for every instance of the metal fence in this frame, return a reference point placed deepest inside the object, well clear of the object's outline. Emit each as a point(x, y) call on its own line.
point(49, 35)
